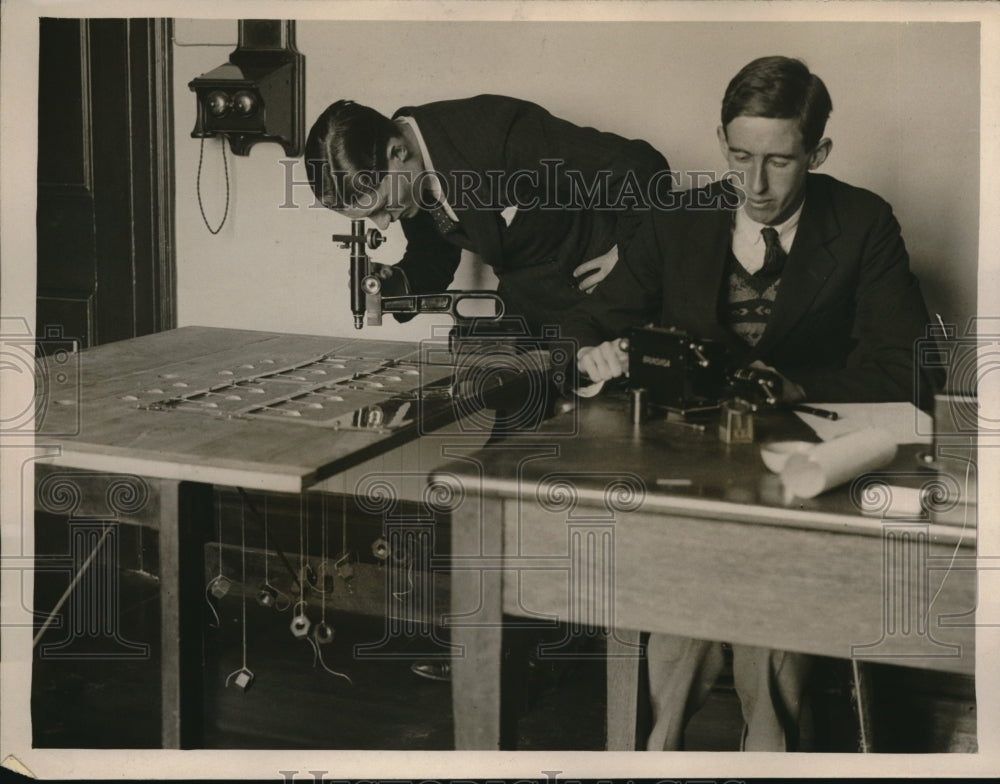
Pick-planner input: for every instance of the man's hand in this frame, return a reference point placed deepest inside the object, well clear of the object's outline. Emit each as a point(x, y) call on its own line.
point(394, 281)
point(791, 393)
point(603, 362)
point(592, 272)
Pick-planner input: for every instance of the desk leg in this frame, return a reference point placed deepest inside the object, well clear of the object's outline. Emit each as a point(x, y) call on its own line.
point(186, 514)
point(623, 689)
point(478, 637)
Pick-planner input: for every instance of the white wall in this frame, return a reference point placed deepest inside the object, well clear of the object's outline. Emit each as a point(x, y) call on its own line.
point(905, 124)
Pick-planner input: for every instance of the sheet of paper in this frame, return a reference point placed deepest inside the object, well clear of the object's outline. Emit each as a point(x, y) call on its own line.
point(906, 423)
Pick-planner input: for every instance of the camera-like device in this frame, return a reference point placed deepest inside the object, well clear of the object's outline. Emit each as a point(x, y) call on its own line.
point(678, 371)
point(688, 375)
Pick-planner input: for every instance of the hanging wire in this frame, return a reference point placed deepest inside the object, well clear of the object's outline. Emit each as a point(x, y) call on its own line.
point(225, 166)
point(281, 601)
point(306, 568)
point(267, 578)
point(343, 519)
point(344, 568)
point(220, 577)
point(243, 577)
point(318, 656)
point(260, 521)
point(321, 583)
point(303, 580)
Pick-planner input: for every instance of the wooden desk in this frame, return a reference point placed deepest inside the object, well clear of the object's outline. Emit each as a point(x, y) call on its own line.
point(578, 529)
point(179, 411)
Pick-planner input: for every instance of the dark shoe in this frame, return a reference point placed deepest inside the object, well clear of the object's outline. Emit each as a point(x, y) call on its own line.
point(432, 670)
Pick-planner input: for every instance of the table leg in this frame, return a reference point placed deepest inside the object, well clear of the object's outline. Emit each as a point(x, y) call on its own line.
point(623, 689)
point(186, 515)
point(477, 601)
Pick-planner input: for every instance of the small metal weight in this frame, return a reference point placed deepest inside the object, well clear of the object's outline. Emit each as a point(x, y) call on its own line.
point(267, 596)
point(380, 548)
point(244, 679)
point(307, 579)
point(300, 625)
point(344, 567)
point(323, 633)
point(220, 586)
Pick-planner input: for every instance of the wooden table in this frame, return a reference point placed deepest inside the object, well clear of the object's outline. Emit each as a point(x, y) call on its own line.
point(149, 425)
point(598, 523)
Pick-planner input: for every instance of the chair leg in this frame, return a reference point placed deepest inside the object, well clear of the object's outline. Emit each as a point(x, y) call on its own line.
point(861, 699)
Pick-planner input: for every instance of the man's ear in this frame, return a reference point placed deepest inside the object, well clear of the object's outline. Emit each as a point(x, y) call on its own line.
point(396, 148)
point(820, 154)
point(723, 142)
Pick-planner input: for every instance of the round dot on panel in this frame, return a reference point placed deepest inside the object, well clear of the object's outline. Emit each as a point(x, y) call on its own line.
point(225, 372)
point(129, 397)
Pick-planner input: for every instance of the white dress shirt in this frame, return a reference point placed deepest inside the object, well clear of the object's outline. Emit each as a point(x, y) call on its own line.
point(748, 244)
point(435, 184)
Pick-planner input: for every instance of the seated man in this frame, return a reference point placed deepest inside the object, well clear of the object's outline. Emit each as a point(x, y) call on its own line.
point(546, 203)
point(797, 272)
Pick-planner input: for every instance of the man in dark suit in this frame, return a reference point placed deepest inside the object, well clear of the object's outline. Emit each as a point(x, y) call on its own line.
point(796, 272)
point(546, 203)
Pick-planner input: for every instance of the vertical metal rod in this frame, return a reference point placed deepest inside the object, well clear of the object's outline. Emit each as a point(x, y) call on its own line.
point(359, 269)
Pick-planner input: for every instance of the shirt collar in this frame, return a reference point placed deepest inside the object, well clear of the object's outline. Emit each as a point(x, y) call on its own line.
point(433, 181)
point(748, 230)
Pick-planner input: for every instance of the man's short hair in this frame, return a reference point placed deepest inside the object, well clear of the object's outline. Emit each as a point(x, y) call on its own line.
point(346, 152)
point(782, 88)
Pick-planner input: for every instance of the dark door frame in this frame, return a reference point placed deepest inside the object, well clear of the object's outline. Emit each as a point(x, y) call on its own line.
point(106, 249)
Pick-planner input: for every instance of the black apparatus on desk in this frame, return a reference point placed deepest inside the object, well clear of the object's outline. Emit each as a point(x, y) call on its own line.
point(689, 376)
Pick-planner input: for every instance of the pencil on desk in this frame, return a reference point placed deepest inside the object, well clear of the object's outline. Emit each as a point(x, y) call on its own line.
point(820, 412)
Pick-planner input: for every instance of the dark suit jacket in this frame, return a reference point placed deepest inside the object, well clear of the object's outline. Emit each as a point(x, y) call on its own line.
point(847, 313)
point(534, 256)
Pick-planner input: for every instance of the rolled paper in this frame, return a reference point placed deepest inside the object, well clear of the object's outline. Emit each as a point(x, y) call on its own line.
point(893, 501)
point(837, 461)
